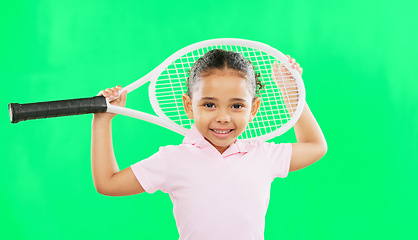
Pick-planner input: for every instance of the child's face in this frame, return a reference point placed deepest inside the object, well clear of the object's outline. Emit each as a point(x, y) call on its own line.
point(221, 107)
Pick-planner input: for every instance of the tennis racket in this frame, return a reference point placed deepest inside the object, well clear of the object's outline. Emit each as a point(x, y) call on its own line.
point(282, 98)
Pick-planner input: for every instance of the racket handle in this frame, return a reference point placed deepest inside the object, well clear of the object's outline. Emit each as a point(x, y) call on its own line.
point(21, 112)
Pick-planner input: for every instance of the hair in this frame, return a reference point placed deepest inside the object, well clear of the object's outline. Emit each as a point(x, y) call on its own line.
point(219, 59)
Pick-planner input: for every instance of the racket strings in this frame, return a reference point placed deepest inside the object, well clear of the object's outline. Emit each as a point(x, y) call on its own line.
point(279, 98)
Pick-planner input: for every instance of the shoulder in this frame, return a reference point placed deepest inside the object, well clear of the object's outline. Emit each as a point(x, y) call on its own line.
point(274, 156)
point(164, 154)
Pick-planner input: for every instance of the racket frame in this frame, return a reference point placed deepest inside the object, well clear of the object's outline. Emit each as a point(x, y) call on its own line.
point(100, 104)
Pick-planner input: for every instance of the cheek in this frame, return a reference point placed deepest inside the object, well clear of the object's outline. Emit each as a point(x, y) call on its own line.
point(200, 114)
point(243, 116)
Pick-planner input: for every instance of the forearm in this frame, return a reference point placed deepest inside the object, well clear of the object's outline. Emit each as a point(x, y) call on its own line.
point(311, 145)
point(103, 160)
point(307, 129)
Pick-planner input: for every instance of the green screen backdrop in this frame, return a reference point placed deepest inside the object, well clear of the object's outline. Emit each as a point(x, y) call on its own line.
point(359, 60)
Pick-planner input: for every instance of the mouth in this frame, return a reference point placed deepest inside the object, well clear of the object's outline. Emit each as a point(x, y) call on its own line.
point(221, 133)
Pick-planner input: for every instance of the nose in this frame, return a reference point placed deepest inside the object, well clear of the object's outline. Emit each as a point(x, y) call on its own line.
point(222, 116)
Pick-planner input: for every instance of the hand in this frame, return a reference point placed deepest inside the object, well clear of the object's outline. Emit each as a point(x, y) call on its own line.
point(281, 72)
point(295, 65)
point(287, 83)
point(114, 98)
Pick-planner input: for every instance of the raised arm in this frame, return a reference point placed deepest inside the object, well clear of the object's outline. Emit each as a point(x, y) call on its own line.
point(107, 178)
point(311, 145)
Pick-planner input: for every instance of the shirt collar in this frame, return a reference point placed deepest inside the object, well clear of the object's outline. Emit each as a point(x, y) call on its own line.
point(194, 137)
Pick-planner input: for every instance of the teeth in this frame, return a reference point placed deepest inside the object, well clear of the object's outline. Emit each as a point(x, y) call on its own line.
point(220, 131)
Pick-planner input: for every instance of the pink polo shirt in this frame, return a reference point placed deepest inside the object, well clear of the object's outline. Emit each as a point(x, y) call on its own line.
point(216, 196)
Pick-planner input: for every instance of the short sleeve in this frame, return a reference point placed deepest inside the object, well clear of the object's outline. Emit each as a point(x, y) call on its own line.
point(279, 156)
point(151, 173)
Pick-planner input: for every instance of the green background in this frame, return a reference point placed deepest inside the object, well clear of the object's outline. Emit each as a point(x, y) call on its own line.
point(359, 60)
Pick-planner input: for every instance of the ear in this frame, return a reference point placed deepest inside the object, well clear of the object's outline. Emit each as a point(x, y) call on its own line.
point(254, 108)
point(187, 104)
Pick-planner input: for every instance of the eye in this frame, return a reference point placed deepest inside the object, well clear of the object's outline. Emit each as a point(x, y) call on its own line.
point(209, 105)
point(237, 106)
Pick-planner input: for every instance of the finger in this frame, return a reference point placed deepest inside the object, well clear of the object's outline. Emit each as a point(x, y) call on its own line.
point(275, 64)
point(121, 100)
point(275, 69)
point(115, 91)
point(292, 60)
point(123, 96)
point(300, 70)
point(283, 68)
point(107, 92)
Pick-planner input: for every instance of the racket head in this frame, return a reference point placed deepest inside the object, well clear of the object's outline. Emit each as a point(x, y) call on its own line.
point(168, 84)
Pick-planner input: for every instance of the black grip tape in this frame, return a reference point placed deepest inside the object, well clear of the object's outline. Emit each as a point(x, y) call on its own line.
point(21, 112)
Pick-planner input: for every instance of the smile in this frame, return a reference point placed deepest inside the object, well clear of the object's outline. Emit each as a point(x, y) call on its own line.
point(222, 131)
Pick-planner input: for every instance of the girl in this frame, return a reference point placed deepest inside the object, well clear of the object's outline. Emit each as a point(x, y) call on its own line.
point(219, 186)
